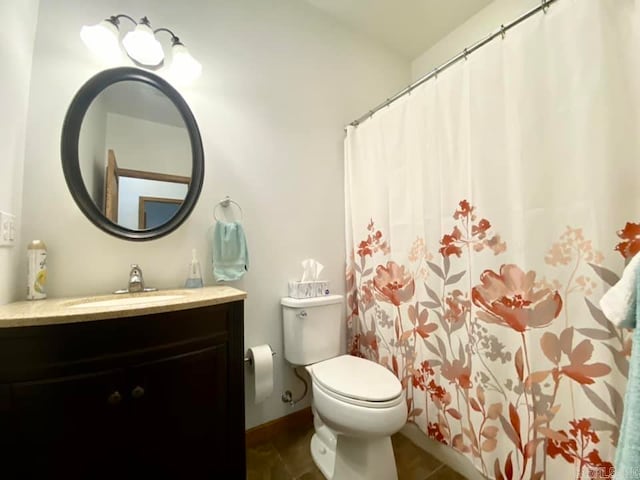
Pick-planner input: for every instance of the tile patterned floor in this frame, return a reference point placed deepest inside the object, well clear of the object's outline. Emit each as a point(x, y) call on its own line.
point(287, 457)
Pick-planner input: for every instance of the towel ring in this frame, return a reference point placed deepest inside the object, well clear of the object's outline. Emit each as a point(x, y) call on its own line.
point(224, 203)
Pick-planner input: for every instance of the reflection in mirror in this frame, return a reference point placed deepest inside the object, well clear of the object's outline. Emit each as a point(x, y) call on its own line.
point(135, 155)
point(148, 203)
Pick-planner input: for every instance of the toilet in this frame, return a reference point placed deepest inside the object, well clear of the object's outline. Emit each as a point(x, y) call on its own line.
point(357, 404)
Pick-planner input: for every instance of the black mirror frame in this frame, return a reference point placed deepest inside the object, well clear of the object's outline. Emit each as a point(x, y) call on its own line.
point(71, 162)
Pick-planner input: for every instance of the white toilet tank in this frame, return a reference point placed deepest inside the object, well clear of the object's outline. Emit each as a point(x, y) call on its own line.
point(314, 328)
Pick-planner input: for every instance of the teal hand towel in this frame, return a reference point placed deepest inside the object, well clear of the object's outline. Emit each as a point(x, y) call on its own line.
point(230, 254)
point(627, 462)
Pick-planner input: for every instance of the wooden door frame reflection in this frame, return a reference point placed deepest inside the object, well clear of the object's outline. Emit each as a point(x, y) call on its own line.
point(113, 174)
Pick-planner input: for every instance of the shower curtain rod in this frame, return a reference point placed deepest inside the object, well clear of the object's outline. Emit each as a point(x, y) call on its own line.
point(544, 5)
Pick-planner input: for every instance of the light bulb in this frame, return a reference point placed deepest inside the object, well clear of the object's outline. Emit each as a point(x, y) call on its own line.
point(143, 47)
point(102, 40)
point(184, 68)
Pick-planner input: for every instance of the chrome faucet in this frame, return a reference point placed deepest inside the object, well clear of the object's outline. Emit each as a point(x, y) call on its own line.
point(136, 282)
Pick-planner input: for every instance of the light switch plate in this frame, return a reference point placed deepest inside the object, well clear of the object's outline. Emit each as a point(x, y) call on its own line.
point(7, 229)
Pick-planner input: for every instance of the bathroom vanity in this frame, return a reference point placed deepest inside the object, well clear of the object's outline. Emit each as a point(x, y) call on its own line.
point(134, 386)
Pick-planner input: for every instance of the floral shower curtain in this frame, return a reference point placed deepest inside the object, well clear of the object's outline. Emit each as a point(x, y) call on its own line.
point(487, 213)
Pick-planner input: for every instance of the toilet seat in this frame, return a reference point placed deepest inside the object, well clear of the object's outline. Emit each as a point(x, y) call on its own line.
point(357, 402)
point(357, 381)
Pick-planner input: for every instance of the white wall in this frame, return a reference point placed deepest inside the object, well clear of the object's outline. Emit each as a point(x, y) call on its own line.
point(92, 154)
point(149, 146)
point(279, 82)
point(16, 48)
point(486, 21)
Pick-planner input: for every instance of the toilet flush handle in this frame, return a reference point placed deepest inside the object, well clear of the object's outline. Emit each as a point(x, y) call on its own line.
point(302, 314)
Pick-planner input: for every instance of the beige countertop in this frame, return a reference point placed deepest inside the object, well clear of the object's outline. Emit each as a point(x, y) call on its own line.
point(53, 311)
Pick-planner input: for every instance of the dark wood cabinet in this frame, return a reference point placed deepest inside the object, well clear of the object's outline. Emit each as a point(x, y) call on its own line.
point(155, 396)
point(68, 424)
point(158, 390)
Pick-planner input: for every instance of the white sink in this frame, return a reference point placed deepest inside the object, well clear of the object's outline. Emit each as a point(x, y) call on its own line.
point(125, 301)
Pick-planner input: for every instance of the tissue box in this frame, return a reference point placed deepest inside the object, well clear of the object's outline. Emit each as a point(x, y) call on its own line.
point(317, 288)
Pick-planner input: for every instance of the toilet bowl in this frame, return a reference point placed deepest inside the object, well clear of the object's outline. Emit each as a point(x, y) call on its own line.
point(361, 416)
point(357, 403)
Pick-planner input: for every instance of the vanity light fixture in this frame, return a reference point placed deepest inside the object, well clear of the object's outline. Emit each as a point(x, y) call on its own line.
point(183, 66)
point(102, 39)
point(142, 47)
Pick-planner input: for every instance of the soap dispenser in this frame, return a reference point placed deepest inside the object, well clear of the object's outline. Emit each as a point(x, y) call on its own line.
point(194, 279)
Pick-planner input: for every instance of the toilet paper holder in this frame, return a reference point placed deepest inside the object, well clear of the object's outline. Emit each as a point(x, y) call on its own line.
point(249, 360)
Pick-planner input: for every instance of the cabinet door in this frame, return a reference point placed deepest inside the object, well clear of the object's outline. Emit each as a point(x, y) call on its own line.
point(69, 427)
point(177, 416)
point(6, 438)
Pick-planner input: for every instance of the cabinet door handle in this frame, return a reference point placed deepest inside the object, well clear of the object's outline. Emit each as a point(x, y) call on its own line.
point(115, 398)
point(137, 392)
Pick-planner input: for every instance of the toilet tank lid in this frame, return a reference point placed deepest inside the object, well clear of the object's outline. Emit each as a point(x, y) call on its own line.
point(310, 302)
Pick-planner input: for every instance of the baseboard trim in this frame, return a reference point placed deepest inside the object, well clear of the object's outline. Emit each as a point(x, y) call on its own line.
point(266, 431)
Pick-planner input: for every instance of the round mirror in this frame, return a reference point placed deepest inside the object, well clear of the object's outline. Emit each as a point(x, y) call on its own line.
point(132, 154)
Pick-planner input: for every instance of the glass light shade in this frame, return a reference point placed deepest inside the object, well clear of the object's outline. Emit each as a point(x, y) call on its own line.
point(102, 40)
point(184, 68)
point(142, 46)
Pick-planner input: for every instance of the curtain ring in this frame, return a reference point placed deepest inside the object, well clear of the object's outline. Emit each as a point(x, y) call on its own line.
point(545, 6)
point(465, 53)
point(503, 31)
point(435, 72)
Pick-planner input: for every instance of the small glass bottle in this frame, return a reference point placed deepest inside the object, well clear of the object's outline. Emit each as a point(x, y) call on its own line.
point(194, 279)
